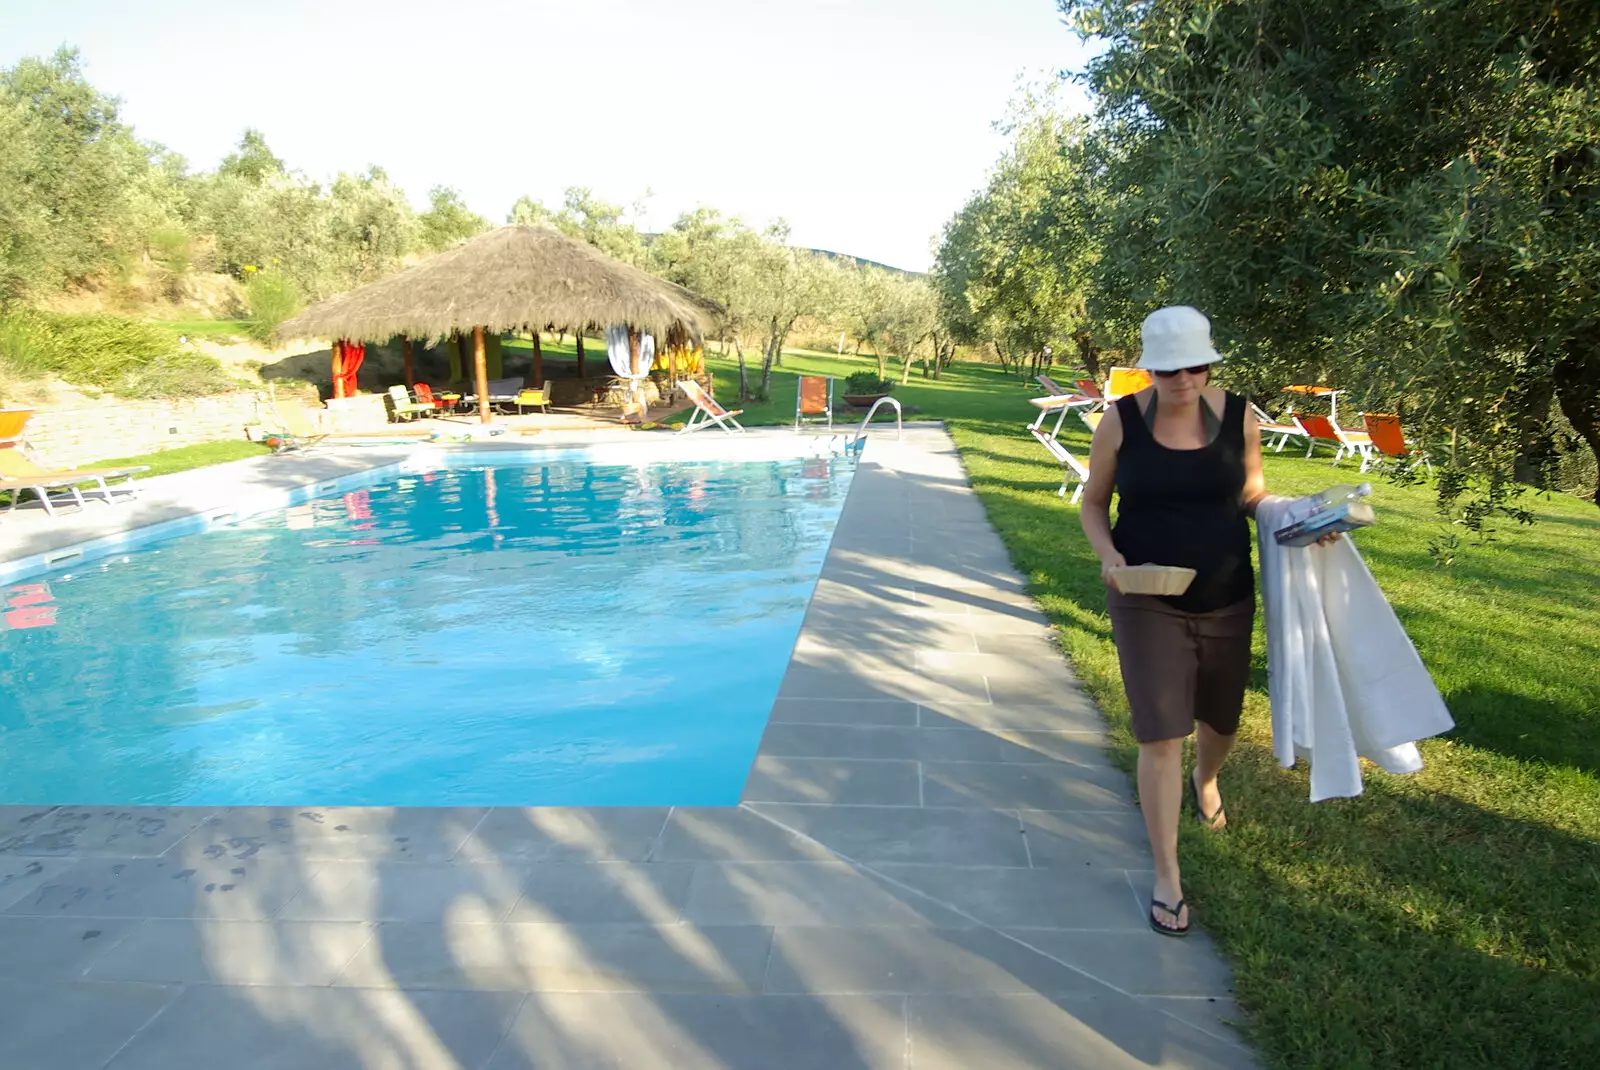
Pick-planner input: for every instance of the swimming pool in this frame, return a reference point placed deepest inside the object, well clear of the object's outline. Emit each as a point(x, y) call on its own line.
point(557, 633)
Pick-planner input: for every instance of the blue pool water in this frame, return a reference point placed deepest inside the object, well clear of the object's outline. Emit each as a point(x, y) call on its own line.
point(555, 634)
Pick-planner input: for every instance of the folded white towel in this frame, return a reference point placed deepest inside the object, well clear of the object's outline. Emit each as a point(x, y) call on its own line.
point(1344, 678)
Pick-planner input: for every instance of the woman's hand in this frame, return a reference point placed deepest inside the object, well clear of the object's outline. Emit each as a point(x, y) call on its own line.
point(1330, 538)
point(1109, 562)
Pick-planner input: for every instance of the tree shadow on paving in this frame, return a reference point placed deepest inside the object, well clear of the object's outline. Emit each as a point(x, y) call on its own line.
point(550, 937)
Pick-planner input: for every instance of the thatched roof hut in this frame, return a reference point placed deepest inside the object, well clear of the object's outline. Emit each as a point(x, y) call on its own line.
point(503, 280)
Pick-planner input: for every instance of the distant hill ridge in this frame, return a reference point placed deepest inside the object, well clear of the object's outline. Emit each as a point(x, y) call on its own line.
point(859, 261)
point(863, 262)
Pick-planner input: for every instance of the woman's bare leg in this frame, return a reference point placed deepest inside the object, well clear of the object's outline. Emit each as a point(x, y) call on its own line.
point(1210, 748)
point(1161, 798)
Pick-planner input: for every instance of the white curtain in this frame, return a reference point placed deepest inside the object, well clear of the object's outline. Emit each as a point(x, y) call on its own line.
point(617, 350)
point(622, 359)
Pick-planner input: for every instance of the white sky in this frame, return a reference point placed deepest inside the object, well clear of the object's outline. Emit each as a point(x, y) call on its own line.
point(865, 123)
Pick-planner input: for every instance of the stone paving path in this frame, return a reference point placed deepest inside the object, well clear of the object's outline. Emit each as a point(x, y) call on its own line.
point(934, 866)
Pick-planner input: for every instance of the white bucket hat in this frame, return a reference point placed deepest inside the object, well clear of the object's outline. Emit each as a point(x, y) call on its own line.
point(1176, 337)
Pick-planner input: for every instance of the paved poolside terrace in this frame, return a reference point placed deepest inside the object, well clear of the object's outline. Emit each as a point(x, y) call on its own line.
point(933, 866)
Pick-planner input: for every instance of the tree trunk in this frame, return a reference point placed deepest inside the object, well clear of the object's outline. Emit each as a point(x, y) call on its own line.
point(1577, 377)
point(1532, 397)
point(480, 372)
point(883, 362)
point(744, 375)
point(1088, 353)
point(776, 333)
point(1005, 358)
point(635, 386)
point(905, 367)
point(411, 374)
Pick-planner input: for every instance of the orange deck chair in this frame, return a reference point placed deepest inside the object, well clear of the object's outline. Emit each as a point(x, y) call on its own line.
point(707, 411)
point(1389, 438)
point(1346, 443)
point(813, 402)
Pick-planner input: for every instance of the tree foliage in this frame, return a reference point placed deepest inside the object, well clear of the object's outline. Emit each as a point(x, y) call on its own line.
point(1400, 198)
point(1014, 266)
point(84, 203)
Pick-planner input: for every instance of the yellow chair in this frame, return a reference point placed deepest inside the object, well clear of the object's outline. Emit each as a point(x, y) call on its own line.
point(534, 399)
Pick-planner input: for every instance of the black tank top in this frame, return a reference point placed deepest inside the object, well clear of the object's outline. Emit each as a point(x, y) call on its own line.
point(1182, 507)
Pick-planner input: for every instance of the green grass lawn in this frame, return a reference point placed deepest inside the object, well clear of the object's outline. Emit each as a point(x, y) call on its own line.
point(1446, 919)
point(211, 330)
point(963, 391)
point(184, 458)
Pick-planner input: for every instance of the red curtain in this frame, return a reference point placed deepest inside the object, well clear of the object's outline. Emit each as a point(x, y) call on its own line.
point(347, 358)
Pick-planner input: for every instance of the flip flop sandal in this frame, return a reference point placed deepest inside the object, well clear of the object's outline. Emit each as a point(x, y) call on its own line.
point(1169, 930)
point(1215, 822)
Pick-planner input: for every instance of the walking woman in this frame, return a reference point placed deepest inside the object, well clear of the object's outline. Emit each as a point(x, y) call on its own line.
point(1185, 460)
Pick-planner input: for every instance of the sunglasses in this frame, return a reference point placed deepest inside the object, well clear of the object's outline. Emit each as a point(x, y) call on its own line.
point(1198, 369)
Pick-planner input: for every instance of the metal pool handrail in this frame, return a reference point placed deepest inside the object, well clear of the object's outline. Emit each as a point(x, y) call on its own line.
point(899, 427)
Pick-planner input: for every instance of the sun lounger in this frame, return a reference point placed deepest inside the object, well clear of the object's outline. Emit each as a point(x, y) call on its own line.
point(1347, 443)
point(12, 422)
point(707, 411)
point(19, 472)
point(1072, 469)
point(1389, 439)
point(1270, 427)
point(500, 392)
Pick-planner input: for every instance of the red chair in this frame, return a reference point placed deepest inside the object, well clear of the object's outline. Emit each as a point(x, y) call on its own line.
point(425, 396)
point(1321, 429)
point(1389, 438)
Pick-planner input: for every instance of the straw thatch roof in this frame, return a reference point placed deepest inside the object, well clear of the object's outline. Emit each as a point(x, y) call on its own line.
point(501, 281)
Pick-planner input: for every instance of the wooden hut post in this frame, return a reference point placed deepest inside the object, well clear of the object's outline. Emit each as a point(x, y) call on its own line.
point(581, 373)
point(480, 371)
point(338, 368)
point(538, 360)
point(411, 375)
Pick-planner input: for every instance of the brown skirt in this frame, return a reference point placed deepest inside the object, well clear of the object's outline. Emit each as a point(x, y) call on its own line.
point(1178, 667)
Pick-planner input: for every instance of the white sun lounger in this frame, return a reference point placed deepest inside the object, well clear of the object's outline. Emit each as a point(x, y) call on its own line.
point(1072, 469)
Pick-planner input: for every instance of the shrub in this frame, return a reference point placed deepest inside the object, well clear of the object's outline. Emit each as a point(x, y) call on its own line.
point(272, 298)
point(28, 348)
point(129, 357)
point(867, 383)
